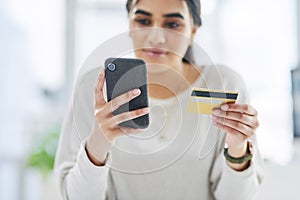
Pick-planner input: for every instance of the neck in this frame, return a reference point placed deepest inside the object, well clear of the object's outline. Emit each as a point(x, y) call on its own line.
point(172, 81)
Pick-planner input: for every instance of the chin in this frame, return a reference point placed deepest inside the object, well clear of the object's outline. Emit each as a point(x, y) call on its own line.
point(155, 66)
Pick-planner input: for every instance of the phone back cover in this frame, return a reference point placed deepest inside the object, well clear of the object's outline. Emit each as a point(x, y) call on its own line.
point(128, 75)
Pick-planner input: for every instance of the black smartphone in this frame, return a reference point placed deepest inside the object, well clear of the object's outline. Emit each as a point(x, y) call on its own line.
point(122, 75)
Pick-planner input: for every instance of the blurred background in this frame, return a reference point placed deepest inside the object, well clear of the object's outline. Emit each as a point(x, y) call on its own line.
point(43, 44)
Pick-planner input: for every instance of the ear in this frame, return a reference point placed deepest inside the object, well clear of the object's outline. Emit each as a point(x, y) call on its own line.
point(193, 34)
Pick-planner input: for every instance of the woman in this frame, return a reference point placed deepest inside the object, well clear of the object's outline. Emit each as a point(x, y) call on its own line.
point(184, 160)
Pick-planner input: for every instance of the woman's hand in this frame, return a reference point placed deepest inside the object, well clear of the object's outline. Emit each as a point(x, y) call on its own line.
point(107, 125)
point(240, 122)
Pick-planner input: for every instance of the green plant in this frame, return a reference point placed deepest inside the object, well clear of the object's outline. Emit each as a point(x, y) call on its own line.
point(41, 157)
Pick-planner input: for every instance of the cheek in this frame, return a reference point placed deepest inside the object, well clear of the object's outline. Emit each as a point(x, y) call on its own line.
point(138, 37)
point(178, 43)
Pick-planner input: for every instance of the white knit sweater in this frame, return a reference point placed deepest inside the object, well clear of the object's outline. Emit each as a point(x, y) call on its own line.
point(180, 156)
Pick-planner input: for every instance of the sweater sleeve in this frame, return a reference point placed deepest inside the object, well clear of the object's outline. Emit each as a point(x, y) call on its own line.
point(230, 184)
point(227, 183)
point(78, 177)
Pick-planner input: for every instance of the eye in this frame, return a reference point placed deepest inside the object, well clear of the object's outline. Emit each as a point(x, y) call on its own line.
point(172, 25)
point(143, 21)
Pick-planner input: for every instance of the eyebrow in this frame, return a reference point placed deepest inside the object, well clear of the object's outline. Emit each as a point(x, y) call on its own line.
point(142, 12)
point(169, 15)
point(174, 15)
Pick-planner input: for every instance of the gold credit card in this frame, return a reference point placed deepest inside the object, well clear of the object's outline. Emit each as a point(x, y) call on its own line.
point(202, 101)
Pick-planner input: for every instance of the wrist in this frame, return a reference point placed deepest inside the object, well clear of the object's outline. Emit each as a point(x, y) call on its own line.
point(239, 159)
point(97, 146)
point(96, 161)
point(238, 151)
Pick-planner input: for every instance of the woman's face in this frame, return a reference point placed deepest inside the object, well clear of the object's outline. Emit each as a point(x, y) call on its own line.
point(161, 31)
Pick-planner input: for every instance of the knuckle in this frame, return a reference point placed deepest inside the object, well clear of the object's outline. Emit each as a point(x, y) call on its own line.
point(138, 112)
point(122, 117)
point(220, 120)
point(114, 103)
point(224, 121)
point(102, 101)
point(240, 116)
point(98, 113)
point(252, 132)
point(107, 107)
point(256, 124)
point(246, 107)
point(227, 114)
point(97, 90)
point(240, 126)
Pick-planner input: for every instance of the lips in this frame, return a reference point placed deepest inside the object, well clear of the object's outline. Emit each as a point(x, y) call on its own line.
point(154, 52)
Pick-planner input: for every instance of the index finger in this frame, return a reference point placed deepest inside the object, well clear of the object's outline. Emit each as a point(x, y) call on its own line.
point(242, 108)
point(99, 96)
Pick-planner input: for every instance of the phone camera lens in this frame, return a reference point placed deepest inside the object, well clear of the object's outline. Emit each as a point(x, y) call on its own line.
point(111, 66)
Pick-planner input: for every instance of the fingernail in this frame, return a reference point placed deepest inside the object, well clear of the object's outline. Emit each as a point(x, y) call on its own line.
point(224, 107)
point(216, 112)
point(136, 91)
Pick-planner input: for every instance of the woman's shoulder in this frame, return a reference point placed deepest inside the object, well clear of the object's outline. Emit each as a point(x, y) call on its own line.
point(223, 71)
point(225, 78)
point(222, 77)
point(223, 74)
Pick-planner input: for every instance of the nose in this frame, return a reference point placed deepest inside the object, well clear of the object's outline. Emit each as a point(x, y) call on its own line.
point(156, 36)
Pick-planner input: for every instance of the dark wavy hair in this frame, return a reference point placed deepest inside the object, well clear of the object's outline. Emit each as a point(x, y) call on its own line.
point(195, 11)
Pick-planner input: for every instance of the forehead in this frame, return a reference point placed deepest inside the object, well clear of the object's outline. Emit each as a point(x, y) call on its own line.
point(161, 7)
